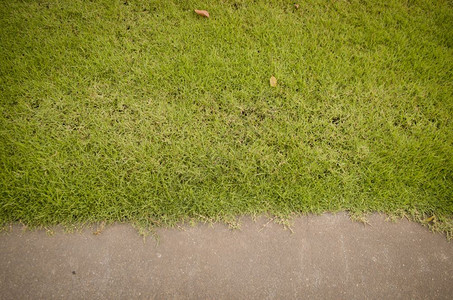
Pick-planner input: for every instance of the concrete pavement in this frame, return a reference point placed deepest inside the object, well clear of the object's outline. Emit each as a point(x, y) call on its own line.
point(327, 257)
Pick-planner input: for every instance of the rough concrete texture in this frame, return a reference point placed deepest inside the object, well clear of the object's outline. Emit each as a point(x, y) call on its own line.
point(327, 257)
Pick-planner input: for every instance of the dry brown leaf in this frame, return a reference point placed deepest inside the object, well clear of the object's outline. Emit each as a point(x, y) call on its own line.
point(273, 81)
point(296, 6)
point(203, 13)
point(99, 229)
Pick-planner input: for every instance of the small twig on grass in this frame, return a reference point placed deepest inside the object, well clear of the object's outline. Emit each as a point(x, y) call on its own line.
point(266, 224)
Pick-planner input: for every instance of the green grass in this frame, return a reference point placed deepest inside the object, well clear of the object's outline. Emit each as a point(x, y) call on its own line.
point(142, 111)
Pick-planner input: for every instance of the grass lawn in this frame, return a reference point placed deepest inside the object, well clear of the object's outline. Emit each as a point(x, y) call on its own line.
point(145, 112)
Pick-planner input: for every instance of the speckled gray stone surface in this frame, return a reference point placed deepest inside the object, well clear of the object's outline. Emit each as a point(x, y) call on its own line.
point(326, 257)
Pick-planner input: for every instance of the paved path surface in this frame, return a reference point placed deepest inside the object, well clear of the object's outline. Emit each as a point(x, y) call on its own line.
point(327, 257)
